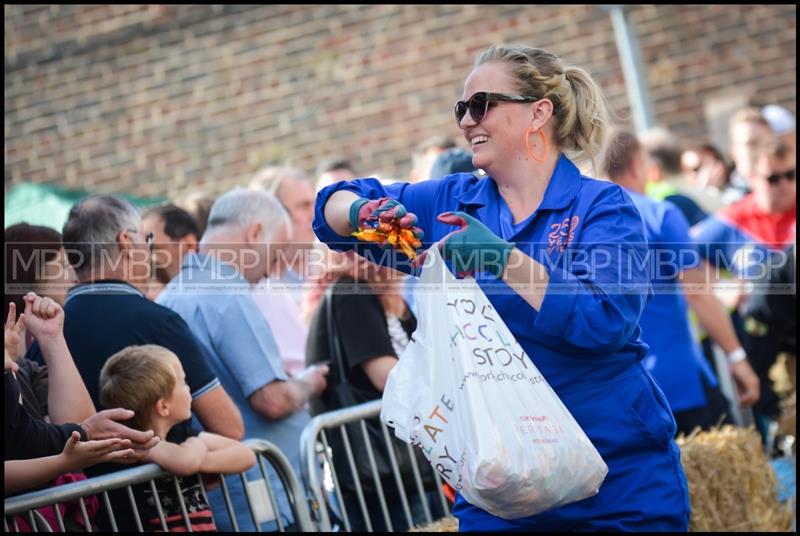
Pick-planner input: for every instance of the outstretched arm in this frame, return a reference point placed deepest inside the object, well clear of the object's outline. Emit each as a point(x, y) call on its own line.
point(225, 455)
point(23, 474)
point(337, 212)
point(474, 247)
point(181, 460)
point(591, 295)
point(341, 209)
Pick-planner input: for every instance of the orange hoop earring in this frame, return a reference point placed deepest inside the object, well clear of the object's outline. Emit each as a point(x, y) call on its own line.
point(528, 145)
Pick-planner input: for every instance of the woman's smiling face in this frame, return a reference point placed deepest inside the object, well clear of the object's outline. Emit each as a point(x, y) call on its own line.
point(500, 136)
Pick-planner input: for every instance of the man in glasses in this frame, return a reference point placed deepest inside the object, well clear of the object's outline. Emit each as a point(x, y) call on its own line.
point(107, 311)
point(751, 239)
point(173, 233)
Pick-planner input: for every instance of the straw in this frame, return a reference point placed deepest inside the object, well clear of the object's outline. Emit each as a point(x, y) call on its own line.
point(732, 486)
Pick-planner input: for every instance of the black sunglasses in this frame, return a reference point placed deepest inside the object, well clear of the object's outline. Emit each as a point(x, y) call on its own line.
point(775, 178)
point(478, 104)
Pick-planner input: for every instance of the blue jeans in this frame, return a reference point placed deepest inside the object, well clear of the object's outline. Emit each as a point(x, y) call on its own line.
point(241, 508)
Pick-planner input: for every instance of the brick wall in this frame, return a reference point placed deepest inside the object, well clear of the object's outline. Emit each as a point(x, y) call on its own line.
point(160, 100)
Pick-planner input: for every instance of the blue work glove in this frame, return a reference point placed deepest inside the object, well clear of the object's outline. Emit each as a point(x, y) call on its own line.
point(473, 248)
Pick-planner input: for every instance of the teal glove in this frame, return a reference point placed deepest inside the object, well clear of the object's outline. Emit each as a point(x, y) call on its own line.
point(366, 213)
point(473, 248)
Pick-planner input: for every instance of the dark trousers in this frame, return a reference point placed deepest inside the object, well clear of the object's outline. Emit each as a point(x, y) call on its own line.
point(716, 411)
point(762, 353)
point(395, 508)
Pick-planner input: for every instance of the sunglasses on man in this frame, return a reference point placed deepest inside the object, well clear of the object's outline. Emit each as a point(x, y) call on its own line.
point(478, 104)
point(775, 178)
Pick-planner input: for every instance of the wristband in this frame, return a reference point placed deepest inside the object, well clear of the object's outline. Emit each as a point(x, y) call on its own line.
point(81, 429)
point(737, 356)
point(355, 207)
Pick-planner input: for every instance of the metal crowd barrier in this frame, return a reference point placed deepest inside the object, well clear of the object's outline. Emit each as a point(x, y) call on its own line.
point(315, 448)
point(26, 505)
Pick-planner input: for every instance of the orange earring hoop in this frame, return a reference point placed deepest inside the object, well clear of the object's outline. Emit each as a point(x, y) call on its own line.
point(528, 145)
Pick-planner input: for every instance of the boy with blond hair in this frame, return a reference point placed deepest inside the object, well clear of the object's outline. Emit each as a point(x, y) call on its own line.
point(150, 380)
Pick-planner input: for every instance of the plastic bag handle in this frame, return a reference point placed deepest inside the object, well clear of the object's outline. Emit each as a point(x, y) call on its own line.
point(434, 269)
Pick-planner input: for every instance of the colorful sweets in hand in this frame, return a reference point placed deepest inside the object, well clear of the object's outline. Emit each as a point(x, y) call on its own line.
point(391, 233)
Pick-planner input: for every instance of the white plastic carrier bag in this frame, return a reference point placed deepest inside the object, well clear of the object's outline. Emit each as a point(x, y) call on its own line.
point(466, 393)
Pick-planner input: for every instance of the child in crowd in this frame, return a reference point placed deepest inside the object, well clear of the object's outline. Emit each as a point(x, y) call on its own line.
point(150, 380)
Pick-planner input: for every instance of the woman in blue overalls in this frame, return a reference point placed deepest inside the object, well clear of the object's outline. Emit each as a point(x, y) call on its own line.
point(560, 256)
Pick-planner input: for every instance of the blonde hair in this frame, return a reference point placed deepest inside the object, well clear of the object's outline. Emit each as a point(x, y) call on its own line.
point(579, 106)
point(136, 378)
point(748, 115)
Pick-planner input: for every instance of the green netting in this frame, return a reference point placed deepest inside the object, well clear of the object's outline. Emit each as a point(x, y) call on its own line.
point(43, 204)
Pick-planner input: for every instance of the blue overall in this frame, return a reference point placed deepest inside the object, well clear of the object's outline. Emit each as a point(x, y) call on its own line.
point(585, 339)
point(675, 358)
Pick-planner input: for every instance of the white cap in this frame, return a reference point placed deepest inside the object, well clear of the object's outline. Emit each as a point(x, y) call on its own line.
point(779, 118)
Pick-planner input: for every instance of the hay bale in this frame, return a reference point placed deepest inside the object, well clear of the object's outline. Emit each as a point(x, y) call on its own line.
point(732, 486)
point(446, 524)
